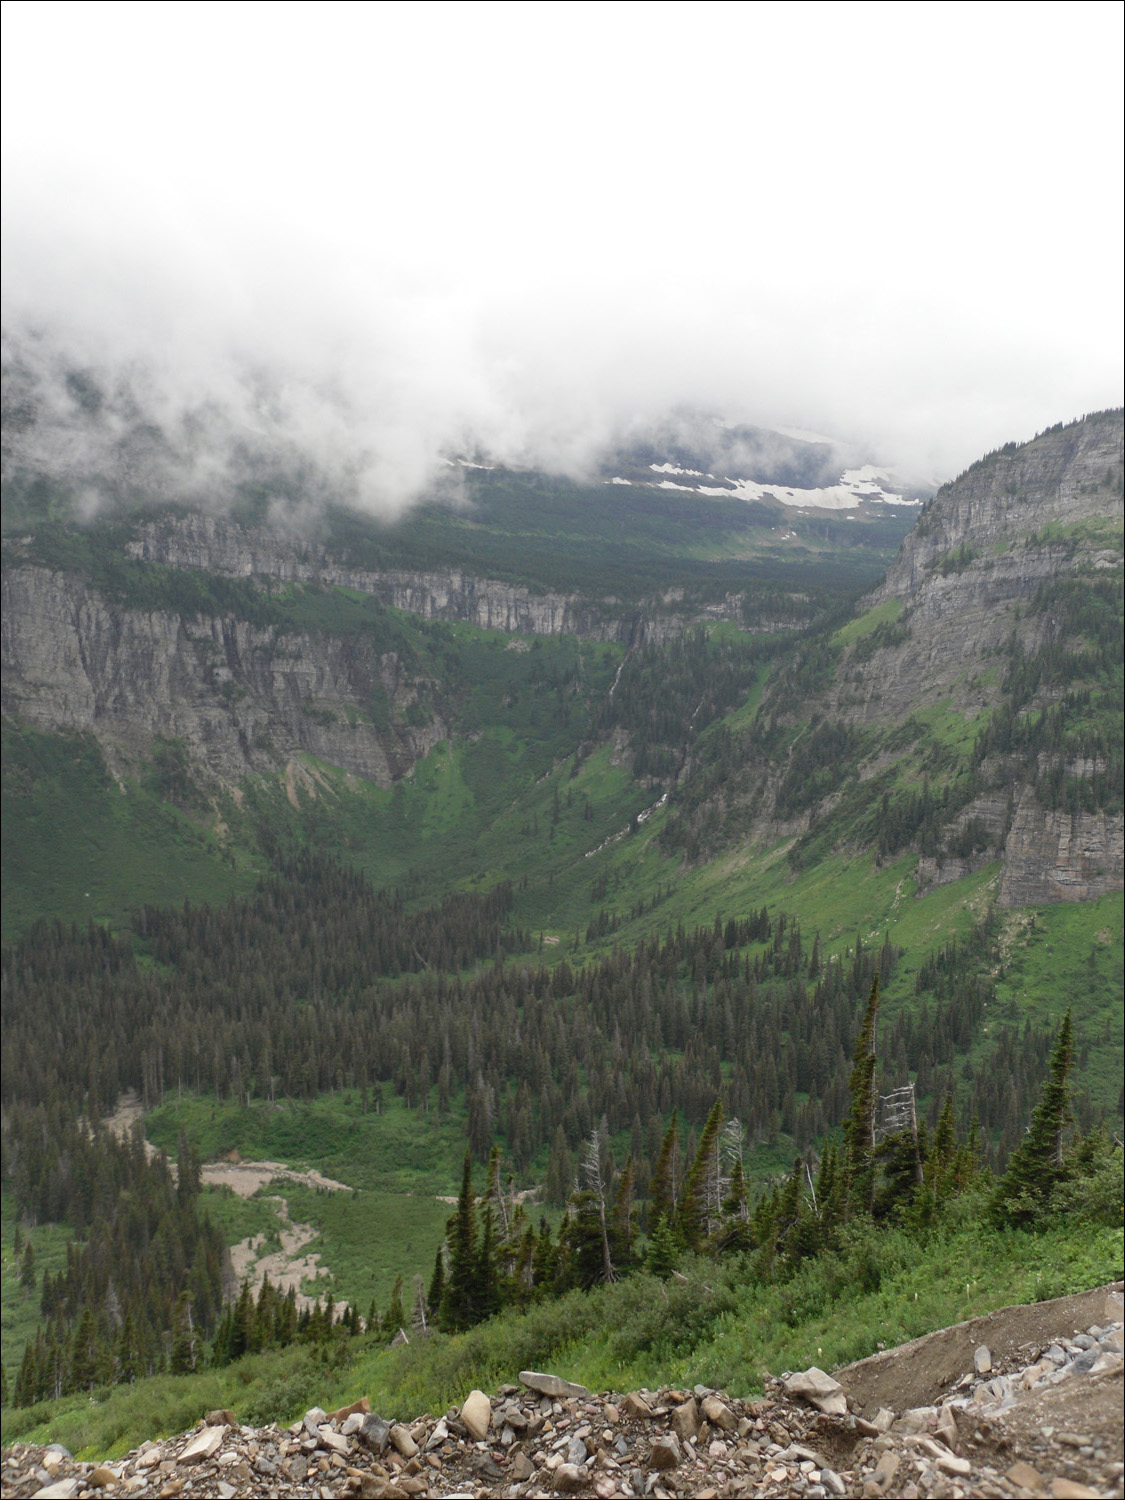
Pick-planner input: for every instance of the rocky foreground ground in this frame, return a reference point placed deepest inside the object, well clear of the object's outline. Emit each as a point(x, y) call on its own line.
point(1025, 1402)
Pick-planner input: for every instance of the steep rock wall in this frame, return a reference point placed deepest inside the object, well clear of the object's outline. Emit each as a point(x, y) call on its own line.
point(242, 697)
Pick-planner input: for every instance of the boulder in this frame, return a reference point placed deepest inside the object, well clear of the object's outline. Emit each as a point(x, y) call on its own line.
point(982, 1360)
point(665, 1453)
point(819, 1390)
point(719, 1414)
point(403, 1439)
point(476, 1414)
point(357, 1408)
point(374, 1433)
point(205, 1444)
point(635, 1405)
point(552, 1385)
point(569, 1478)
point(685, 1420)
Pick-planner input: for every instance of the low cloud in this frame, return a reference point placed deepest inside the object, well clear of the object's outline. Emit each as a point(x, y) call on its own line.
point(337, 251)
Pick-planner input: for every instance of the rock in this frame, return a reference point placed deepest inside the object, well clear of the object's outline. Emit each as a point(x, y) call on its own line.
point(576, 1450)
point(949, 1463)
point(685, 1420)
point(1025, 1476)
point(569, 1478)
point(403, 1440)
point(332, 1442)
point(833, 1484)
point(205, 1444)
point(476, 1414)
point(62, 1489)
point(374, 1433)
point(885, 1470)
point(313, 1420)
point(665, 1453)
point(719, 1414)
point(1068, 1489)
point(982, 1360)
point(819, 1390)
point(357, 1408)
point(635, 1405)
point(521, 1468)
point(552, 1385)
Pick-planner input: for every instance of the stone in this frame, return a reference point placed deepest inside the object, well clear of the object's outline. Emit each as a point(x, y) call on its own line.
point(333, 1442)
point(62, 1489)
point(719, 1414)
point(885, 1470)
point(685, 1420)
point(356, 1409)
point(553, 1385)
point(982, 1360)
point(665, 1452)
point(521, 1468)
point(205, 1444)
point(476, 1414)
point(819, 1390)
point(569, 1478)
point(374, 1433)
point(635, 1405)
point(576, 1450)
point(833, 1484)
point(949, 1463)
point(1025, 1476)
point(101, 1478)
point(1069, 1489)
point(314, 1419)
point(403, 1440)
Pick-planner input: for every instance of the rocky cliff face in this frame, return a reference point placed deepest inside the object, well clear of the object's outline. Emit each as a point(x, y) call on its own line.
point(214, 545)
point(1016, 520)
point(967, 581)
point(241, 697)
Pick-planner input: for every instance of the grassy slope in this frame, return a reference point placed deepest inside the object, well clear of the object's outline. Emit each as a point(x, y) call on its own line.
point(637, 1332)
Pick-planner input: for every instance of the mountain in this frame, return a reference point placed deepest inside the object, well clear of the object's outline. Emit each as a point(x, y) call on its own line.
point(560, 822)
point(985, 670)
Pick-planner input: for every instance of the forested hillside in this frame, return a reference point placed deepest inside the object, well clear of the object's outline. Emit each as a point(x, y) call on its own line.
point(712, 897)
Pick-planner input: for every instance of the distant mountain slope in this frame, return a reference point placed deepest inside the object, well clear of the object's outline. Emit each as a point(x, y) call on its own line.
point(972, 707)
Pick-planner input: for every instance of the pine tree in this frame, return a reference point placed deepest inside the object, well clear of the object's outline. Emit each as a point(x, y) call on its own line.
point(859, 1126)
point(1037, 1166)
point(457, 1309)
point(698, 1214)
point(184, 1354)
point(662, 1187)
point(395, 1316)
point(437, 1281)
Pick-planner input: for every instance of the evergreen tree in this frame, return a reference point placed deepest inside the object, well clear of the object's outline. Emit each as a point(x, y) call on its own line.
point(698, 1214)
point(859, 1126)
point(457, 1308)
point(1037, 1166)
point(662, 1187)
point(184, 1353)
point(394, 1318)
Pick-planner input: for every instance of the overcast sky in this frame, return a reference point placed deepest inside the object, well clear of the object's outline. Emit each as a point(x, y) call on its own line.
point(528, 224)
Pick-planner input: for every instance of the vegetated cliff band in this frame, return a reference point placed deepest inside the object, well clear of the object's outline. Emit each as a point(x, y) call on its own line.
point(971, 708)
point(240, 696)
